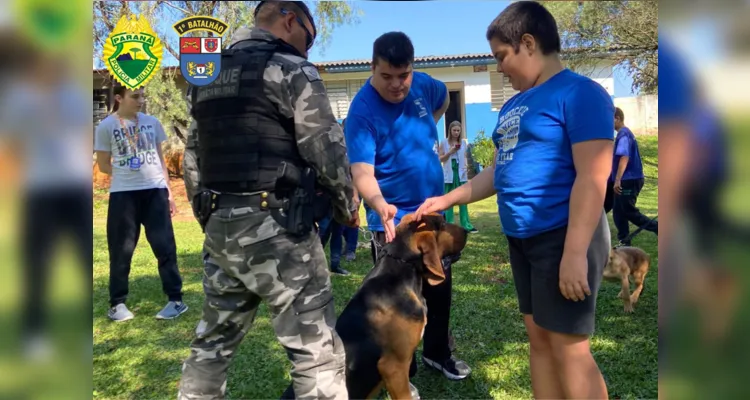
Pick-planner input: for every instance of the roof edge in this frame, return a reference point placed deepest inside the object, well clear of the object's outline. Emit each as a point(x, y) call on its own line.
point(446, 61)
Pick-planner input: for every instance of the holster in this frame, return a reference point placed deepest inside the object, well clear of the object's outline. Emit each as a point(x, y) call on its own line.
point(298, 188)
point(203, 207)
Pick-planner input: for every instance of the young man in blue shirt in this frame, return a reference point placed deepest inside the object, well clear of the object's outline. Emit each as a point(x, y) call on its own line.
point(627, 181)
point(392, 140)
point(553, 159)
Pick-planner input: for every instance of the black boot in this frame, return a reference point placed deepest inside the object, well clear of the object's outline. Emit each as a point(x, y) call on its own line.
point(336, 269)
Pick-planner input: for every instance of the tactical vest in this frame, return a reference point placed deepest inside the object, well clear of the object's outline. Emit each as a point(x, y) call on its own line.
point(242, 136)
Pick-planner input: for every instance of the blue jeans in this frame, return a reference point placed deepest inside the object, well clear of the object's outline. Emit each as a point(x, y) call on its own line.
point(330, 229)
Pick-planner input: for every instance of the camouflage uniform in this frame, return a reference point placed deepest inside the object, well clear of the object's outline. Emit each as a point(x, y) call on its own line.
point(249, 258)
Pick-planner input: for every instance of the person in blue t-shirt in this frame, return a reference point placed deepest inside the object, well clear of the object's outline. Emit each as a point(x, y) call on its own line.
point(626, 182)
point(553, 158)
point(392, 139)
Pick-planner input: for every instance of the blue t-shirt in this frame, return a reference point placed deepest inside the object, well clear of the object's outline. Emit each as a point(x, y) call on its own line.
point(676, 86)
point(627, 146)
point(400, 141)
point(709, 135)
point(534, 170)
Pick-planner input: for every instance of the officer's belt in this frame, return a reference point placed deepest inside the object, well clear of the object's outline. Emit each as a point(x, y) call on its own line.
point(262, 200)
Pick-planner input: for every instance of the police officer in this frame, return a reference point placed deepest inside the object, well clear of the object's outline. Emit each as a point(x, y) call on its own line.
point(256, 130)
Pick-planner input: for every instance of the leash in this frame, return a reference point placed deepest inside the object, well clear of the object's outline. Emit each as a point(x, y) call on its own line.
point(369, 236)
point(635, 232)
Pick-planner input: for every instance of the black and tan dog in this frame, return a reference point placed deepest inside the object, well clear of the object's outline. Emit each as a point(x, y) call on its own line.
point(624, 262)
point(384, 321)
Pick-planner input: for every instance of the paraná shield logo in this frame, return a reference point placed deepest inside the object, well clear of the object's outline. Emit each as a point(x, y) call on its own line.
point(133, 52)
point(200, 57)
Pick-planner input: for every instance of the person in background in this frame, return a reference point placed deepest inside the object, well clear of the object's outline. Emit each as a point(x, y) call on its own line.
point(553, 159)
point(128, 147)
point(336, 232)
point(626, 182)
point(452, 152)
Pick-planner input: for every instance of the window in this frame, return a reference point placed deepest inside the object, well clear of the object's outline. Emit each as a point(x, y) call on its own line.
point(341, 94)
point(501, 90)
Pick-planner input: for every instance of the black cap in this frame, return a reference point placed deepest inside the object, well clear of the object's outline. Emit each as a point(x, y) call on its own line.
point(300, 4)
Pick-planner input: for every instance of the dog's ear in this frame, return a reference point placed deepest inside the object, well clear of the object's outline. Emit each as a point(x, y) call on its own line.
point(427, 244)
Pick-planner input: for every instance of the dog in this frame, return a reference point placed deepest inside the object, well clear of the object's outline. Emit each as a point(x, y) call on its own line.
point(624, 262)
point(384, 321)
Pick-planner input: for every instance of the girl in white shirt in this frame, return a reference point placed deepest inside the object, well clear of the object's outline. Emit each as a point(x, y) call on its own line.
point(452, 153)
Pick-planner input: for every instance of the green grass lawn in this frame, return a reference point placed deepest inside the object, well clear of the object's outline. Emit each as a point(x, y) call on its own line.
point(141, 359)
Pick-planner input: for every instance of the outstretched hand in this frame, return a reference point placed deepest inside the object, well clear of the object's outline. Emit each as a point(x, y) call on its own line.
point(432, 205)
point(387, 213)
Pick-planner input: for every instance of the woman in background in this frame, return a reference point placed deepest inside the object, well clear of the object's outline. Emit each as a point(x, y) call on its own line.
point(128, 147)
point(452, 153)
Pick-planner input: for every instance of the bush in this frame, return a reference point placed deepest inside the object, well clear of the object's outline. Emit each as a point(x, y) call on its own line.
point(482, 149)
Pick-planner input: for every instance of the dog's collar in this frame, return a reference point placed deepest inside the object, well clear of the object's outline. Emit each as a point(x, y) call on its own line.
point(388, 253)
point(446, 261)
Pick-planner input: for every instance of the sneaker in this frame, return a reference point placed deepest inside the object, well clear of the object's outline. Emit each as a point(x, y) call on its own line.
point(414, 392)
point(452, 368)
point(351, 256)
point(473, 230)
point(172, 310)
point(120, 313)
point(623, 243)
point(336, 269)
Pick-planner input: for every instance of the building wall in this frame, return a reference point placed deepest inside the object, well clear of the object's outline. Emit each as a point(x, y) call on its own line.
point(480, 112)
point(641, 113)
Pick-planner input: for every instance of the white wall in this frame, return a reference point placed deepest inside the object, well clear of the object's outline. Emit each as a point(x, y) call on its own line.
point(603, 74)
point(641, 113)
point(477, 84)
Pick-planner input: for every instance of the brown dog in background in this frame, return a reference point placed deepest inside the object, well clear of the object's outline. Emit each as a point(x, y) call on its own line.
point(624, 262)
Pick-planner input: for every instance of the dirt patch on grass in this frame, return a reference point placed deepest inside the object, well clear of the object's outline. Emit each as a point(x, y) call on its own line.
point(184, 210)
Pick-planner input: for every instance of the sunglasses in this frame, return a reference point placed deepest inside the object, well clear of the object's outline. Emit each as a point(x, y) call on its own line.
point(309, 37)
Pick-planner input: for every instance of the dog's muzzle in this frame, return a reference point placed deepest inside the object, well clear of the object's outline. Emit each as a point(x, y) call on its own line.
point(450, 260)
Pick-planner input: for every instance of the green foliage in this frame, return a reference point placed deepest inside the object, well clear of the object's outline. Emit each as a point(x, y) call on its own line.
point(483, 151)
point(167, 102)
point(591, 28)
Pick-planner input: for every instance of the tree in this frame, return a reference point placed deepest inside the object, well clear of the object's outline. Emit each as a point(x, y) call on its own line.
point(135, 53)
point(627, 30)
point(483, 150)
point(165, 100)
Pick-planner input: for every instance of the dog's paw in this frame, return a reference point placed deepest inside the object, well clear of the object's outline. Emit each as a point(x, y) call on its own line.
point(628, 308)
